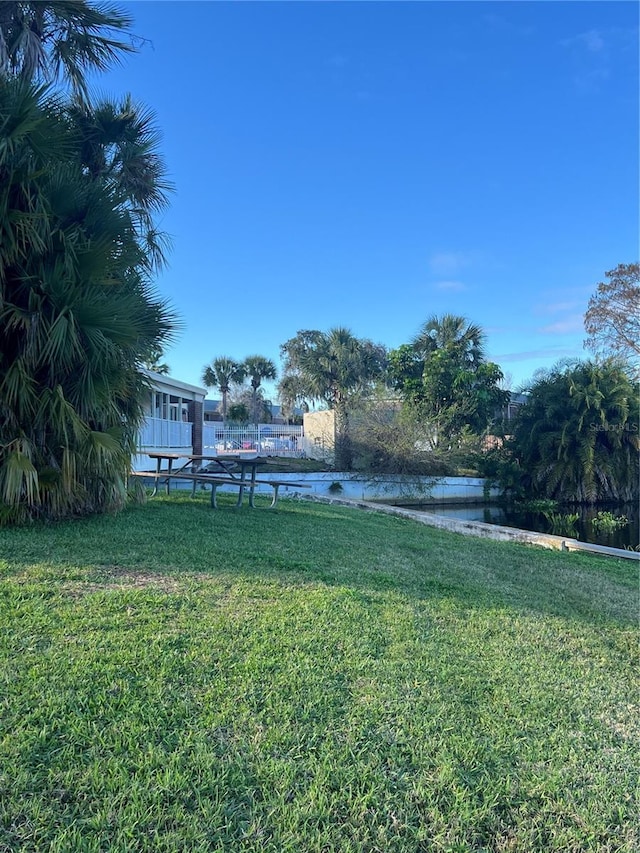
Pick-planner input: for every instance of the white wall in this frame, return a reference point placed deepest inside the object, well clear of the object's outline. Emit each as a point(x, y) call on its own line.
point(406, 488)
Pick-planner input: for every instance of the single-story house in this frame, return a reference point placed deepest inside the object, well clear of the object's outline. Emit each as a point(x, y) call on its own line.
point(174, 417)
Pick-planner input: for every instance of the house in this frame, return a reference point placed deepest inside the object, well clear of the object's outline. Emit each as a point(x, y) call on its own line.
point(180, 420)
point(174, 417)
point(516, 401)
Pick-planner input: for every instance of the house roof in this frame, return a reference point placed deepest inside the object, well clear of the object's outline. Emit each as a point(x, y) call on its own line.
point(174, 386)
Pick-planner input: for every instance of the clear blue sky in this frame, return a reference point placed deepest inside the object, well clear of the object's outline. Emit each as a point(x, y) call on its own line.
point(371, 164)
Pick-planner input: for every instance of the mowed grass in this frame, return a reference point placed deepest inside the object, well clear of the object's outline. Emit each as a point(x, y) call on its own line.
point(311, 679)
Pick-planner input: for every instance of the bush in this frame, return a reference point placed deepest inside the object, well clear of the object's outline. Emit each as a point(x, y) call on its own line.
point(390, 442)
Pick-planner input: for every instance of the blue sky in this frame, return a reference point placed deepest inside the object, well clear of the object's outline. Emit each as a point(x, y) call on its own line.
point(371, 164)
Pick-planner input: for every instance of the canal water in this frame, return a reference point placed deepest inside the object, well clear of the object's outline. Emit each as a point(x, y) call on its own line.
point(584, 530)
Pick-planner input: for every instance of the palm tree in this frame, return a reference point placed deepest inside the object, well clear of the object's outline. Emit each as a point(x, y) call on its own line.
point(78, 313)
point(44, 40)
point(221, 373)
point(118, 144)
point(334, 367)
point(444, 373)
point(257, 368)
point(576, 439)
point(78, 252)
point(451, 332)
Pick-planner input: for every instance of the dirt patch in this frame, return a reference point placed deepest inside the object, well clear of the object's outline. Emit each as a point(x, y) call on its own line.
point(120, 578)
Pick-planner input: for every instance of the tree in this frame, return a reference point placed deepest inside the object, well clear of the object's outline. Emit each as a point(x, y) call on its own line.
point(443, 375)
point(576, 438)
point(612, 321)
point(45, 41)
point(243, 396)
point(152, 360)
point(388, 439)
point(336, 368)
point(257, 368)
point(77, 308)
point(222, 373)
point(238, 413)
point(452, 332)
point(291, 396)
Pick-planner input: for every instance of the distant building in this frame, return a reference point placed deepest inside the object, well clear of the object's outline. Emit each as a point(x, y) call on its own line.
point(212, 410)
point(516, 401)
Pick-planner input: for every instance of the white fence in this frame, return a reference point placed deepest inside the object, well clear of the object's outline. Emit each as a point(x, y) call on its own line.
point(158, 432)
point(271, 439)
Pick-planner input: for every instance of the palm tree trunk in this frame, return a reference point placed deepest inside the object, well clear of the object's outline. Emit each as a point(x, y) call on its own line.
point(224, 410)
point(254, 406)
point(343, 451)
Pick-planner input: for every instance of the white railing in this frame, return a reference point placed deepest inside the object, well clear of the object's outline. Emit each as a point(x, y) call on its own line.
point(270, 439)
point(157, 432)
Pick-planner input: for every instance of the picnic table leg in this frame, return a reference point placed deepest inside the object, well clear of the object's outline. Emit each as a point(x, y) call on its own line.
point(274, 499)
point(195, 483)
point(214, 504)
point(241, 490)
point(156, 479)
point(252, 488)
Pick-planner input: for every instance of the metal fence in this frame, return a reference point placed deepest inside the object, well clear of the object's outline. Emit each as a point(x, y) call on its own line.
point(270, 439)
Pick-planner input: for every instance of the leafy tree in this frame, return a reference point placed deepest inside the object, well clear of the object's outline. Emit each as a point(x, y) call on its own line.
point(612, 321)
point(335, 368)
point(152, 360)
point(239, 413)
point(222, 373)
point(257, 368)
point(245, 397)
point(576, 438)
point(444, 376)
point(44, 41)
point(78, 250)
point(387, 440)
point(292, 399)
point(405, 368)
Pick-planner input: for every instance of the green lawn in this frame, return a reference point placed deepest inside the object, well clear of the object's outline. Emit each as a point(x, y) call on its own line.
point(311, 679)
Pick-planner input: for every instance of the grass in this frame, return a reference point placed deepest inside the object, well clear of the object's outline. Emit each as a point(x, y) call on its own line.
point(307, 680)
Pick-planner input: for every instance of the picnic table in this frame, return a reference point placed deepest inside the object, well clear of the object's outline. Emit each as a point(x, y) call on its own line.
point(215, 471)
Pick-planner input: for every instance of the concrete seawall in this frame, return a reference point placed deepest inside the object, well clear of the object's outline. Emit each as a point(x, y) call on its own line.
point(486, 531)
point(398, 487)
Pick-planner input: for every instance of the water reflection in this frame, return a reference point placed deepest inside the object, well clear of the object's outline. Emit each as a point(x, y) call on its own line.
point(627, 536)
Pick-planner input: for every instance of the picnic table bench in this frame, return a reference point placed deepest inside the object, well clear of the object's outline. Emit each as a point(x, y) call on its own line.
point(226, 463)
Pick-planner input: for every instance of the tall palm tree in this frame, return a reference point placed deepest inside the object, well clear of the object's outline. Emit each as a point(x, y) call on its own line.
point(257, 368)
point(334, 367)
point(119, 144)
point(45, 40)
point(78, 314)
point(445, 374)
point(78, 251)
point(221, 373)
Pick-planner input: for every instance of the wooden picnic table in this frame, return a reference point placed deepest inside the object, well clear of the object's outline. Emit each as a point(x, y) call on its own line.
point(224, 474)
